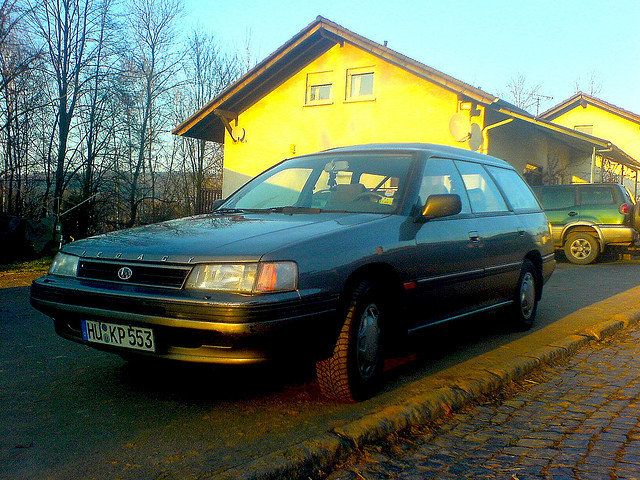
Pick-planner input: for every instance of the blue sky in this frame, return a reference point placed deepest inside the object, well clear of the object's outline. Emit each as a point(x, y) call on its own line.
point(485, 43)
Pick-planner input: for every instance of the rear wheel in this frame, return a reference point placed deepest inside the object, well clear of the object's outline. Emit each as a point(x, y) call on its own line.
point(353, 371)
point(581, 248)
point(525, 301)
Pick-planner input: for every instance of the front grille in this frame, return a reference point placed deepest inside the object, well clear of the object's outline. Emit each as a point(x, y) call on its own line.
point(147, 274)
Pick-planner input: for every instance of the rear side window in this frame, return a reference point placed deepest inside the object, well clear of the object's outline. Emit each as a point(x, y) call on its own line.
point(518, 194)
point(556, 197)
point(441, 177)
point(597, 196)
point(483, 192)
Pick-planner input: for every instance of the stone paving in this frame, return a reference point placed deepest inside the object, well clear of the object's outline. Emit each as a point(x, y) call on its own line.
point(579, 420)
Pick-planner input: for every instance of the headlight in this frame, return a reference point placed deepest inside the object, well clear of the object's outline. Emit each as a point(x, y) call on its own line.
point(264, 277)
point(65, 265)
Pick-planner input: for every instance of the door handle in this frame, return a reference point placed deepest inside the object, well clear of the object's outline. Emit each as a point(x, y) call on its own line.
point(572, 214)
point(474, 236)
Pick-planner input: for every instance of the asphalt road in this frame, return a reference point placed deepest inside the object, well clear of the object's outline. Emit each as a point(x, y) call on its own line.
point(67, 411)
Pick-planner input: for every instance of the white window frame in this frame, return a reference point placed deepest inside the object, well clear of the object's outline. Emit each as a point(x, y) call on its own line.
point(318, 80)
point(353, 73)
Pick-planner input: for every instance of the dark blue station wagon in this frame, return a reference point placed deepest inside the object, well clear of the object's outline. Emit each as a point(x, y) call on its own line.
point(331, 257)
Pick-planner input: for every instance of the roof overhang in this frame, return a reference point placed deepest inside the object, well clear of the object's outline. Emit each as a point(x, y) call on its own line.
point(579, 140)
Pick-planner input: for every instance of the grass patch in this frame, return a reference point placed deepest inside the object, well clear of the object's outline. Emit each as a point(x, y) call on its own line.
point(38, 265)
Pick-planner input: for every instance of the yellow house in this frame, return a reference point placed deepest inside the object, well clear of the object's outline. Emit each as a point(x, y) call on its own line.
point(588, 114)
point(330, 87)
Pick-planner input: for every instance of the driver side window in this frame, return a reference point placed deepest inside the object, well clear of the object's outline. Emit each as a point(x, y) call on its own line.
point(440, 177)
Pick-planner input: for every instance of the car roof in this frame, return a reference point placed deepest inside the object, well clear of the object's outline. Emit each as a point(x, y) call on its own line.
point(431, 149)
point(573, 185)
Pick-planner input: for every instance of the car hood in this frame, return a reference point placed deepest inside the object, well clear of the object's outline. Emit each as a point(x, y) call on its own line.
point(214, 237)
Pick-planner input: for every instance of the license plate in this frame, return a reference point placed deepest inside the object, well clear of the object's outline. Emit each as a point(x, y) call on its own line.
point(124, 336)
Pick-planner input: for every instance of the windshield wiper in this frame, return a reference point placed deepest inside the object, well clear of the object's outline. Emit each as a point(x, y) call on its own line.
point(288, 210)
point(228, 210)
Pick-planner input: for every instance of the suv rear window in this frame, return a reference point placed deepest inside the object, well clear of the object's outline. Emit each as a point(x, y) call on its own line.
point(597, 196)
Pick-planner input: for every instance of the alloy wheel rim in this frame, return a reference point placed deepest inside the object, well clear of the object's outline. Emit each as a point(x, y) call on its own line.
point(527, 295)
point(580, 248)
point(368, 341)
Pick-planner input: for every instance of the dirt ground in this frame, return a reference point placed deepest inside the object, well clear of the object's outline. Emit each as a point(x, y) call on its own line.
point(13, 279)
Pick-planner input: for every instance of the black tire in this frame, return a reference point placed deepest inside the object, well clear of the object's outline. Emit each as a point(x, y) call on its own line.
point(353, 372)
point(525, 299)
point(581, 248)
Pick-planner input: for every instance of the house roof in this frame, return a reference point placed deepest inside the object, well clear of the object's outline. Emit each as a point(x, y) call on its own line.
point(210, 122)
point(579, 140)
point(582, 99)
point(318, 37)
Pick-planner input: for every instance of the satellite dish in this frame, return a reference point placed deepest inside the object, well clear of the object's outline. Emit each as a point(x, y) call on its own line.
point(460, 127)
point(475, 137)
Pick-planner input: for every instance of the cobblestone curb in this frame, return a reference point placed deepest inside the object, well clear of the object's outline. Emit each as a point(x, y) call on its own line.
point(320, 452)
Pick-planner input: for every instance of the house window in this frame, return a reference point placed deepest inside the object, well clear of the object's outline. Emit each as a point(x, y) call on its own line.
point(588, 129)
point(360, 83)
point(320, 92)
point(319, 86)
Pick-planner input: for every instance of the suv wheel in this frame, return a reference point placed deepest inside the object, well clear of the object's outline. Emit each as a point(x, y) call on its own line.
point(354, 370)
point(581, 248)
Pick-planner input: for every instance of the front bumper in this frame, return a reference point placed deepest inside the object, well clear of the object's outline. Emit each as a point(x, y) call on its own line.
point(195, 329)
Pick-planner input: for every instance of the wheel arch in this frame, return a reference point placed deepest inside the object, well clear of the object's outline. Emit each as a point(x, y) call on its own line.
point(590, 228)
point(382, 275)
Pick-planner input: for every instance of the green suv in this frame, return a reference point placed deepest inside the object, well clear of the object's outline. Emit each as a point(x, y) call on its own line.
point(587, 218)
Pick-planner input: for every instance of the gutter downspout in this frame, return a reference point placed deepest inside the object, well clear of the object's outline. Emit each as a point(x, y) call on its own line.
point(485, 138)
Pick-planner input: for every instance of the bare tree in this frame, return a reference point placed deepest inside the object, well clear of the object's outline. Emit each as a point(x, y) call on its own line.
point(154, 62)
point(16, 58)
point(84, 121)
point(98, 120)
point(592, 86)
point(208, 72)
point(523, 95)
point(67, 31)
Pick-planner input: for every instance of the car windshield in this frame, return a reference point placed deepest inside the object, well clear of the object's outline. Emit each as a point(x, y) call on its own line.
point(358, 182)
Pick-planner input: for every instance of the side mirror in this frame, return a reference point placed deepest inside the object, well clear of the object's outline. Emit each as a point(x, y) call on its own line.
point(438, 206)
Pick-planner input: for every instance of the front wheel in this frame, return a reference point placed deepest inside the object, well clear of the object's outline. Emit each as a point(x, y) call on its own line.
point(581, 248)
point(353, 372)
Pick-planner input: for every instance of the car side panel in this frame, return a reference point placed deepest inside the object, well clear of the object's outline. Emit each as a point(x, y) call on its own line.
point(448, 269)
point(505, 244)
